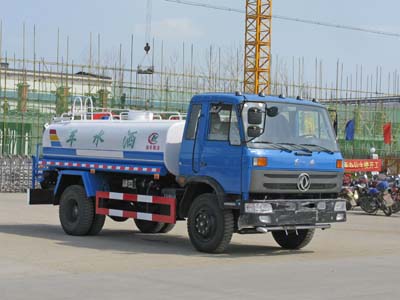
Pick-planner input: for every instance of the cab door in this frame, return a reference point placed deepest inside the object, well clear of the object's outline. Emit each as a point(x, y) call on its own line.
point(221, 151)
point(192, 142)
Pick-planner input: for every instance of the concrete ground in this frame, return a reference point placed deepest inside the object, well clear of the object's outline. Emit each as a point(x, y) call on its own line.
point(356, 260)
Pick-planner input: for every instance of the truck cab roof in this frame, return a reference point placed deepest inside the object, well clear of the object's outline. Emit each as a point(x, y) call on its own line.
point(235, 99)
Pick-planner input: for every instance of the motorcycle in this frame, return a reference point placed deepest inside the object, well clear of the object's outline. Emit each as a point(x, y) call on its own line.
point(352, 190)
point(378, 197)
point(395, 191)
point(350, 194)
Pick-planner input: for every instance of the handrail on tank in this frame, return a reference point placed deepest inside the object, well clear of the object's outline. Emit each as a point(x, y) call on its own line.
point(88, 99)
point(74, 110)
point(172, 114)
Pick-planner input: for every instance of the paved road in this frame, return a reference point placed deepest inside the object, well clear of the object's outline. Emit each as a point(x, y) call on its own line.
point(356, 260)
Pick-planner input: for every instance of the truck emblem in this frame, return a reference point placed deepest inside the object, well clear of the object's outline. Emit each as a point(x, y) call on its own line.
point(304, 182)
point(153, 138)
point(152, 141)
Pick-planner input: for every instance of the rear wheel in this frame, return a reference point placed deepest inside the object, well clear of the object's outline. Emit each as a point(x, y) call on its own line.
point(76, 211)
point(148, 226)
point(167, 228)
point(118, 219)
point(369, 205)
point(292, 240)
point(210, 228)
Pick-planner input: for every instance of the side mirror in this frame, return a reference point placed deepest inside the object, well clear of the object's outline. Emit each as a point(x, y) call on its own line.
point(254, 131)
point(254, 116)
point(272, 111)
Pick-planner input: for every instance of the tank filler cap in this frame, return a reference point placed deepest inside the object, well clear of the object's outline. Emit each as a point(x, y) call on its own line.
point(238, 93)
point(261, 94)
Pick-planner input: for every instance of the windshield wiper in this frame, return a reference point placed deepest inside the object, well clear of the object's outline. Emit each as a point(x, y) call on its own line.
point(298, 147)
point(322, 149)
point(277, 146)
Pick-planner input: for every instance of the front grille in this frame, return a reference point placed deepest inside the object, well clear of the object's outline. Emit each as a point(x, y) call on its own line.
point(284, 186)
point(286, 182)
point(287, 175)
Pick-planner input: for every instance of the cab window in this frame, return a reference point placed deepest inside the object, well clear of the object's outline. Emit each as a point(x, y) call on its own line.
point(193, 122)
point(223, 124)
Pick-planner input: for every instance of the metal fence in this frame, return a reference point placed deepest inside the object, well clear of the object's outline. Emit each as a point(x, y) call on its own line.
point(15, 173)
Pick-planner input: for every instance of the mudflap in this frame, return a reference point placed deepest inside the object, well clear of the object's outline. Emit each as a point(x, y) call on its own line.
point(40, 197)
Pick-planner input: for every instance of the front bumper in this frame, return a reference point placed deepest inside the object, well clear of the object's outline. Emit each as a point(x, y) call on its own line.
point(294, 213)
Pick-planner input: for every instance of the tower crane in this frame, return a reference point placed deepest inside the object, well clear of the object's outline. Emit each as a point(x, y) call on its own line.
point(257, 53)
point(257, 61)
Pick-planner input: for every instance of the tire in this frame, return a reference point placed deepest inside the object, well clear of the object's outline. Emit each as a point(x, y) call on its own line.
point(148, 226)
point(396, 207)
point(118, 219)
point(76, 211)
point(293, 241)
point(369, 205)
point(97, 225)
point(167, 228)
point(348, 205)
point(386, 210)
point(210, 228)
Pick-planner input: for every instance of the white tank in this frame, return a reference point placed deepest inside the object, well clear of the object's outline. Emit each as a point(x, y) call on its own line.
point(138, 141)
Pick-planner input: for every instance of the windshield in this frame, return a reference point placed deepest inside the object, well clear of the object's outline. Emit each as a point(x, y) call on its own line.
point(295, 127)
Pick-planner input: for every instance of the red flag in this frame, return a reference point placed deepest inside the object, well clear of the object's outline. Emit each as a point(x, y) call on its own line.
point(387, 133)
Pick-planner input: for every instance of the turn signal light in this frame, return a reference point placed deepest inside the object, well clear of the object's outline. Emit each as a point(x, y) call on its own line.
point(339, 164)
point(260, 161)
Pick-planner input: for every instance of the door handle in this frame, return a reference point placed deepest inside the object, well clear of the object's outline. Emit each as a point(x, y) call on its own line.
point(203, 164)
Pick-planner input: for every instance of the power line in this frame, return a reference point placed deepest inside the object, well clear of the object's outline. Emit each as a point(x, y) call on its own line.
point(292, 19)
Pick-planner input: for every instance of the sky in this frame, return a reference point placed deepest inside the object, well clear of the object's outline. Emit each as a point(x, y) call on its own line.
point(175, 24)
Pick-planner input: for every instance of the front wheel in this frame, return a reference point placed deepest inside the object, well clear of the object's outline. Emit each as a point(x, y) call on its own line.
point(293, 240)
point(210, 228)
point(386, 210)
point(396, 207)
point(348, 205)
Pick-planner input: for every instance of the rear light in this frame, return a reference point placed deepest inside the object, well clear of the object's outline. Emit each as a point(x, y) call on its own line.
point(339, 164)
point(260, 161)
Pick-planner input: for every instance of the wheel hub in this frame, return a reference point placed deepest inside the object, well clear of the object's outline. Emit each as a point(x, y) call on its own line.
point(73, 212)
point(203, 224)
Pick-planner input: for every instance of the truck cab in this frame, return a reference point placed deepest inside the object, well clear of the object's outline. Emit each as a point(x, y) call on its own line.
point(274, 161)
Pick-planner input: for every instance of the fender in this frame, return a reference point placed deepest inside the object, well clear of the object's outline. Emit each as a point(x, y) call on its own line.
point(91, 182)
point(208, 184)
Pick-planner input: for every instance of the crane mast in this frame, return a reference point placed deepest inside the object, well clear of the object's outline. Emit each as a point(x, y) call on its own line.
point(257, 62)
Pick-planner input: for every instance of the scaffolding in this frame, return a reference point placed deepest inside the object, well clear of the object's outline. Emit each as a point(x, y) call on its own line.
point(32, 92)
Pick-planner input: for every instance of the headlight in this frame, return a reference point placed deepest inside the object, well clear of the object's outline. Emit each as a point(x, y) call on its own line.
point(340, 206)
point(258, 208)
point(265, 219)
point(340, 217)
